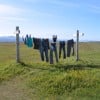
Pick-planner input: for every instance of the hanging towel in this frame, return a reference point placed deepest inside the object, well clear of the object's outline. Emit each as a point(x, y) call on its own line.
point(30, 42)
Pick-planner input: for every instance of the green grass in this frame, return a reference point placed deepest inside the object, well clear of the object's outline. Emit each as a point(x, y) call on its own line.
point(67, 80)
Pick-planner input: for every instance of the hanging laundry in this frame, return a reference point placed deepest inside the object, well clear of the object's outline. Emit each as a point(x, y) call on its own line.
point(44, 49)
point(54, 38)
point(70, 45)
point(53, 49)
point(26, 40)
point(46, 41)
point(36, 42)
point(30, 42)
point(62, 47)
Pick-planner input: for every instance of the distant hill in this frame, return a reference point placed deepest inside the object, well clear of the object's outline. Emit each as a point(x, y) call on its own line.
point(13, 39)
point(9, 39)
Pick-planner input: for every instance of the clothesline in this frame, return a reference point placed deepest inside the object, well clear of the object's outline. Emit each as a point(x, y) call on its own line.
point(48, 35)
point(50, 39)
point(43, 46)
point(60, 37)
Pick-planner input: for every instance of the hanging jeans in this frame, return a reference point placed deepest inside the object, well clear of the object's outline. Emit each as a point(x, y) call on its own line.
point(53, 48)
point(70, 44)
point(62, 47)
point(44, 50)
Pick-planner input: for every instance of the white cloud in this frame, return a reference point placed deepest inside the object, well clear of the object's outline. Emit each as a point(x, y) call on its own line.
point(4, 19)
point(11, 13)
point(9, 17)
point(9, 10)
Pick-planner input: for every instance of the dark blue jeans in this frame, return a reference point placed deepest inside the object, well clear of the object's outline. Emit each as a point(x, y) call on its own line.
point(70, 45)
point(62, 47)
point(53, 48)
point(44, 50)
point(44, 54)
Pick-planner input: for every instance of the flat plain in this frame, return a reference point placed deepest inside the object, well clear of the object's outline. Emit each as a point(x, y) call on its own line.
point(32, 79)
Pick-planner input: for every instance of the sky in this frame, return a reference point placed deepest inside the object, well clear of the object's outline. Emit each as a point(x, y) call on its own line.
point(44, 18)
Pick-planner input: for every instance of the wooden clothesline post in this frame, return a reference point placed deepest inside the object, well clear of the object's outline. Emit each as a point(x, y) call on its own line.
point(77, 45)
point(17, 45)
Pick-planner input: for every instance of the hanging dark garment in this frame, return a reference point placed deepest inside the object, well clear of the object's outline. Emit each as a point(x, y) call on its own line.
point(53, 48)
point(62, 47)
point(70, 45)
point(26, 40)
point(54, 38)
point(44, 46)
point(47, 43)
point(36, 42)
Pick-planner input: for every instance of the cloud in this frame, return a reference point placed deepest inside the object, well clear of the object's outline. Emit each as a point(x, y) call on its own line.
point(3, 19)
point(55, 2)
point(11, 13)
point(9, 17)
point(9, 10)
point(64, 3)
point(94, 9)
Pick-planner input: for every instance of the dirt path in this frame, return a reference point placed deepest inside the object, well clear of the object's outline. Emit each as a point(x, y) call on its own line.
point(13, 90)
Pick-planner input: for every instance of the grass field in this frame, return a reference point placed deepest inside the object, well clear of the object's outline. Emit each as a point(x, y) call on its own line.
point(33, 79)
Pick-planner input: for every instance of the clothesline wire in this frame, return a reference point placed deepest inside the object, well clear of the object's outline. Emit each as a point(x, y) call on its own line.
point(58, 39)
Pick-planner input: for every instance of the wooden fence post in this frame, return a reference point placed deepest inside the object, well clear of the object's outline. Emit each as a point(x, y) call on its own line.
point(77, 46)
point(17, 44)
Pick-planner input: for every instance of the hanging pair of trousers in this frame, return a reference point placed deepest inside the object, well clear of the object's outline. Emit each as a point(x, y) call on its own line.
point(53, 49)
point(62, 47)
point(36, 42)
point(44, 50)
point(70, 44)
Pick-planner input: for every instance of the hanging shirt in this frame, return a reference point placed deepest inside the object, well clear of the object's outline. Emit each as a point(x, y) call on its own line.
point(36, 42)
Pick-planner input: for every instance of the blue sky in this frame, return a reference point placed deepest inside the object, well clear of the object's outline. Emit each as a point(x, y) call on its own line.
point(43, 18)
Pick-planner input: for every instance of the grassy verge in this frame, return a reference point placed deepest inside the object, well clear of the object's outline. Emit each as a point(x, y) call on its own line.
point(56, 81)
